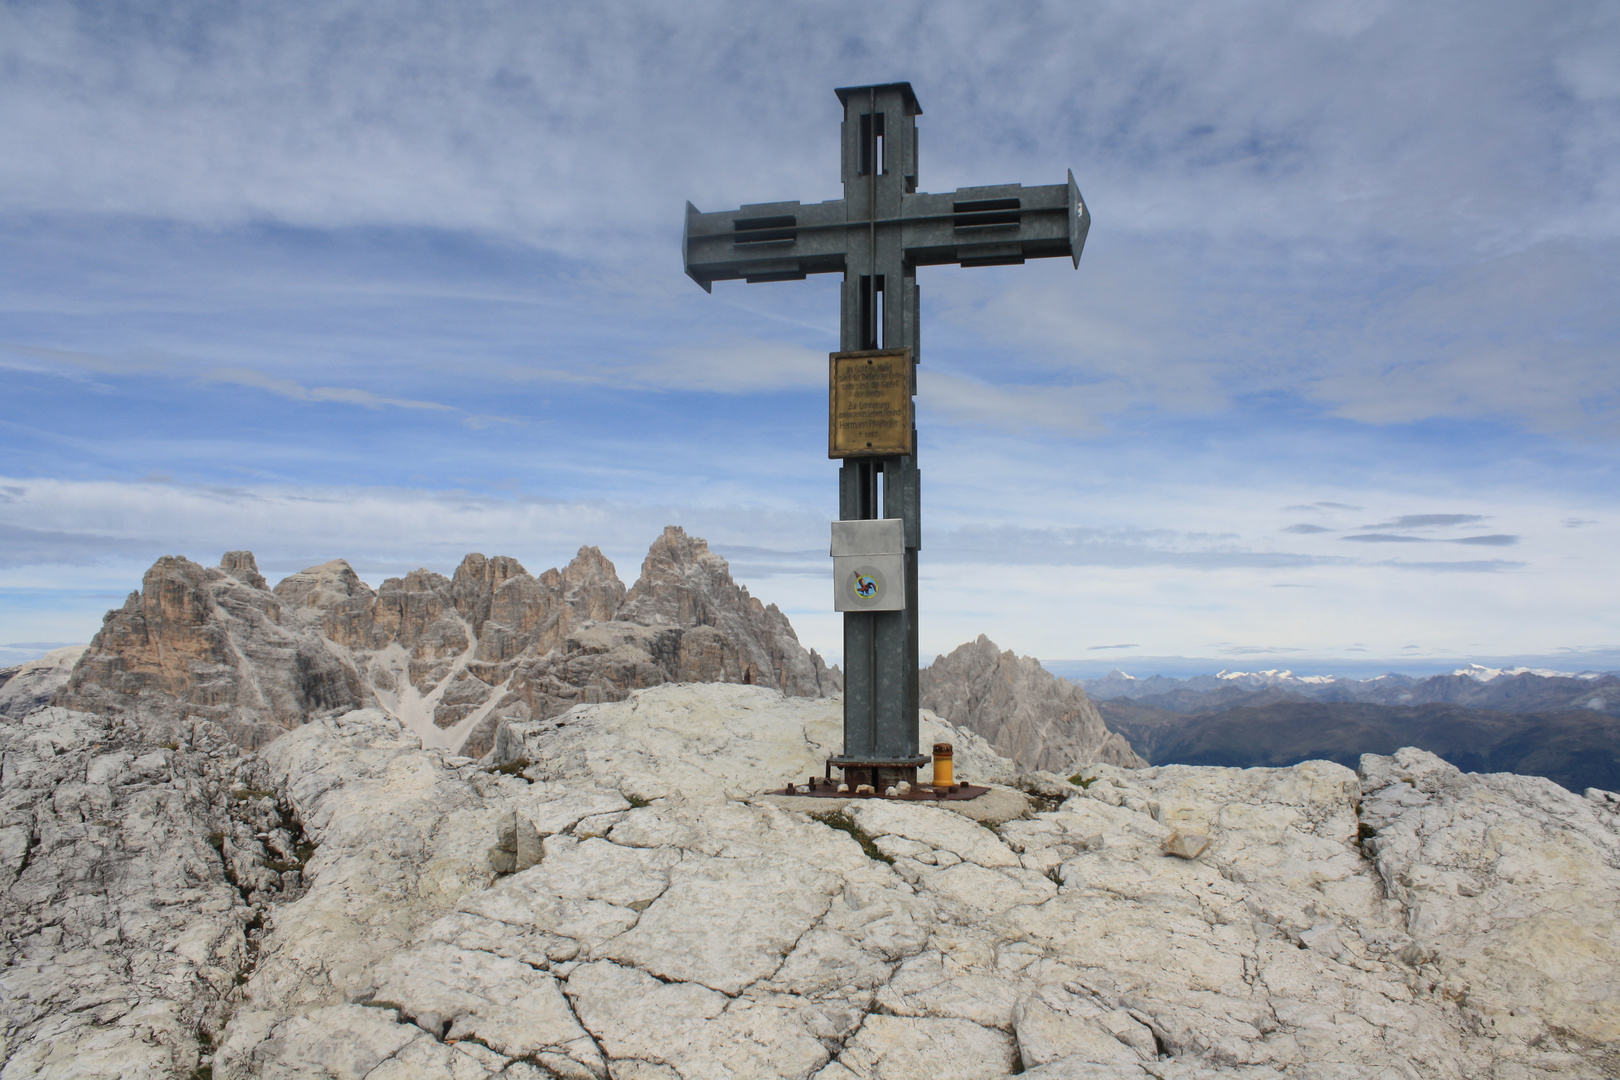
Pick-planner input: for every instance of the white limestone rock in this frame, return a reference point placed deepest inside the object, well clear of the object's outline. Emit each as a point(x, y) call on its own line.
point(904, 1047)
point(710, 739)
point(517, 1011)
point(120, 937)
point(1510, 889)
point(702, 936)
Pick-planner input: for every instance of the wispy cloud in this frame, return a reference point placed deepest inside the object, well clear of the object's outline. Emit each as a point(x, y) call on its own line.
point(293, 391)
point(282, 387)
point(1475, 566)
point(1418, 521)
point(1306, 529)
point(1492, 540)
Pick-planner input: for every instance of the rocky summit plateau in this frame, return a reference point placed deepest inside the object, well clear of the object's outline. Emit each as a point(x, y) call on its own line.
point(234, 848)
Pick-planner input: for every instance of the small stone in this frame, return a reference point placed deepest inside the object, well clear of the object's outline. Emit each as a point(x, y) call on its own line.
point(1094, 842)
point(527, 849)
point(902, 788)
point(502, 862)
point(1186, 845)
point(865, 789)
point(506, 832)
point(890, 792)
point(843, 789)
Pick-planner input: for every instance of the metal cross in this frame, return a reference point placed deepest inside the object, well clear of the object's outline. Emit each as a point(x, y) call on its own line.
point(876, 236)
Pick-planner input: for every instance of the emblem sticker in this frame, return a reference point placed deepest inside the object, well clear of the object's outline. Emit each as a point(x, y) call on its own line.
point(866, 588)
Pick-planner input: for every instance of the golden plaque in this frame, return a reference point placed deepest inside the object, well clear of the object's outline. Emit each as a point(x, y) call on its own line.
point(869, 406)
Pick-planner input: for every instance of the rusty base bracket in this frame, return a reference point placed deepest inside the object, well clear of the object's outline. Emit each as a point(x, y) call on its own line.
point(819, 788)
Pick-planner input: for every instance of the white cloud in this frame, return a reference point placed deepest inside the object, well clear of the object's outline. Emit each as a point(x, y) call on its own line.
point(1021, 409)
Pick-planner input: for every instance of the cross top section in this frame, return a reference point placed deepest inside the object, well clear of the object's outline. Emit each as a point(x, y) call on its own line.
point(980, 226)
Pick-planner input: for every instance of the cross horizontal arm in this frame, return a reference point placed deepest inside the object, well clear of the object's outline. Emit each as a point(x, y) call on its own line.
point(765, 242)
point(981, 226)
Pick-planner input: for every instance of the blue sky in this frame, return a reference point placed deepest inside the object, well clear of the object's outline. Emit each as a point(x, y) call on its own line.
point(1337, 382)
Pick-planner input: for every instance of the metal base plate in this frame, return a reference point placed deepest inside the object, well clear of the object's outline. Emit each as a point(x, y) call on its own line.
point(822, 789)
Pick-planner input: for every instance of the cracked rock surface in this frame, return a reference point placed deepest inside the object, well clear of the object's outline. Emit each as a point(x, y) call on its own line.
point(1406, 921)
point(120, 935)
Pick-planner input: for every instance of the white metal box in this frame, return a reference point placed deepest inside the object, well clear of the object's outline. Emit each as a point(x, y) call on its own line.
point(869, 565)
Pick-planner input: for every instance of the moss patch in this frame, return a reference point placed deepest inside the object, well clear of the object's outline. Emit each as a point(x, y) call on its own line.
point(844, 823)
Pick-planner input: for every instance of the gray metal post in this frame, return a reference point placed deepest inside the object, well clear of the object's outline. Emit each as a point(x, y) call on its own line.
point(877, 235)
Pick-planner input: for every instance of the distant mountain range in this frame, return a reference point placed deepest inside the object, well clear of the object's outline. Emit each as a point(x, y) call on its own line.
point(1478, 687)
point(1559, 725)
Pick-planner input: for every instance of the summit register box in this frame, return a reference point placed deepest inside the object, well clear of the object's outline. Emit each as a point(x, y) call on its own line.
point(869, 567)
point(869, 404)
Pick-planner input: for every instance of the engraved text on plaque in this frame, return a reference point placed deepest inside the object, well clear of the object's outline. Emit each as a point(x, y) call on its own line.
point(869, 410)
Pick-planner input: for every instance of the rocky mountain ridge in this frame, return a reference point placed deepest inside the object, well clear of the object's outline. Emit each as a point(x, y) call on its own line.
point(1029, 715)
point(452, 658)
point(1577, 748)
point(1475, 688)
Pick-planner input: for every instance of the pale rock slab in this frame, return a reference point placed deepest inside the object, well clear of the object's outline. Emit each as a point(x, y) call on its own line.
point(709, 739)
point(1510, 888)
point(903, 1048)
point(512, 1008)
point(726, 923)
point(937, 828)
point(685, 1031)
point(343, 1042)
point(1047, 1034)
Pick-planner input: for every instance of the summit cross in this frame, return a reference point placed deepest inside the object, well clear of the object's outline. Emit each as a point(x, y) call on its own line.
point(877, 236)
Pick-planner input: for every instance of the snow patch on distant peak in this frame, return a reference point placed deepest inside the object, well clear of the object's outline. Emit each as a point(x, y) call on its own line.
point(1274, 677)
point(1481, 673)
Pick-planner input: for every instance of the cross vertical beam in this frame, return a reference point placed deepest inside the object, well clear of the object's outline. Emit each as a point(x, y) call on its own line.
point(879, 311)
point(876, 236)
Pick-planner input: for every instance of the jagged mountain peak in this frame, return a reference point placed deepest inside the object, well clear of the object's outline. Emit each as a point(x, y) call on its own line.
point(451, 657)
point(1028, 714)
